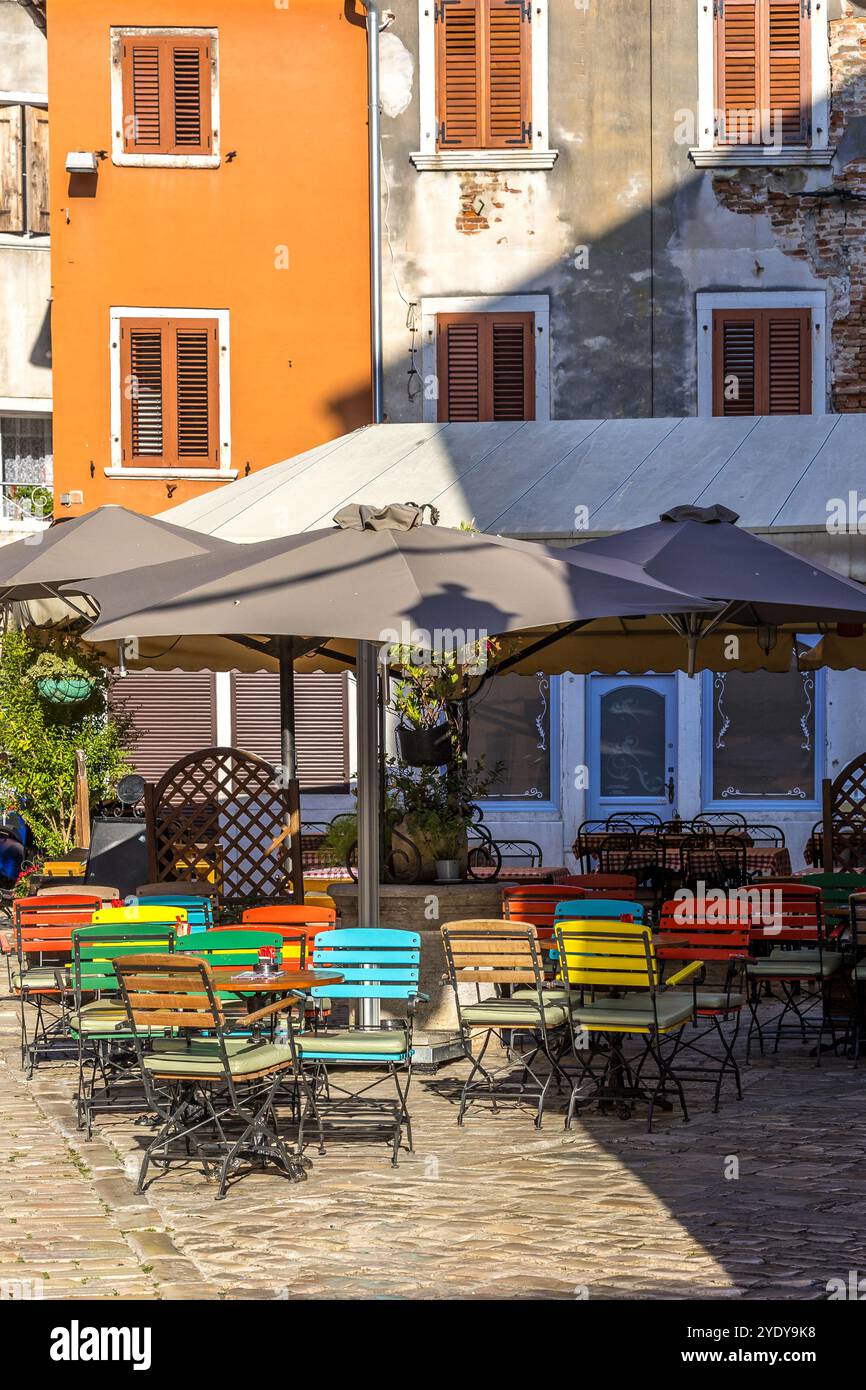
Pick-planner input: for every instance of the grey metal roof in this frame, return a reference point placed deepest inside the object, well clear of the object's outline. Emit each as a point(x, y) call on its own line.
point(529, 479)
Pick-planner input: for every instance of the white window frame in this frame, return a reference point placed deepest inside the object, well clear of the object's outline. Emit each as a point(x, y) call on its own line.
point(708, 154)
point(118, 469)
point(537, 304)
point(427, 157)
point(162, 161)
point(813, 300)
point(23, 407)
point(26, 239)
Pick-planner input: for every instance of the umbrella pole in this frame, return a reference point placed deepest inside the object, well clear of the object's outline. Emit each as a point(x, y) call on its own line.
point(367, 678)
point(289, 760)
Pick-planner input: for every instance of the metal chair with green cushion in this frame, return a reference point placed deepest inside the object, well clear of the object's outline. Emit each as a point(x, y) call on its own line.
point(41, 975)
point(506, 956)
point(792, 948)
point(98, 1021)
point(595, 959)
point(375, 963)
point(213, 1091)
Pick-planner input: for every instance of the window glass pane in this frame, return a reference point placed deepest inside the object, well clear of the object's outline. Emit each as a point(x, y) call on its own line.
point(763, 736)
point(632, 759)
point(26, 465)
point(510, 723)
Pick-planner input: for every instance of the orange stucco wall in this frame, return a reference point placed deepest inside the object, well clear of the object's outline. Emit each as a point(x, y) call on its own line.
point(293, 108)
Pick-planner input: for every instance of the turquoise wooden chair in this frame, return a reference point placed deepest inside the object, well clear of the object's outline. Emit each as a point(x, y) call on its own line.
point(375, 964)
point(607, 909)
point(199, 911)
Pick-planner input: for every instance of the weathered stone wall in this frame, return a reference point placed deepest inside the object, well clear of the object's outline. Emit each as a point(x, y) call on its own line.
point(623, 82)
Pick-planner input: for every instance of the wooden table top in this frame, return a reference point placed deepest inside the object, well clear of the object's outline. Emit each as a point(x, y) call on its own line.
point(230, 977)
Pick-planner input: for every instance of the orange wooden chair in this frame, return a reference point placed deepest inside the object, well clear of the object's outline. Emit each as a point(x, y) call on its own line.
point(297, 924)
point(39, 962)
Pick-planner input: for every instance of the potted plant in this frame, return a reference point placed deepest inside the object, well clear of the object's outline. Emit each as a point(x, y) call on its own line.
point(62, 677)
point(427, 695)
point(436, 808)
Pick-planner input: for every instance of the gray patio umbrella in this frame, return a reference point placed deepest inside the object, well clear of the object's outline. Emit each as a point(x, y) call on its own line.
point(759, 585)
point(376, 580)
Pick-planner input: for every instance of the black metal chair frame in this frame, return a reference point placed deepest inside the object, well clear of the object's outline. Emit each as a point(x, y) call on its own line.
point(195, 1110)
point(498, 1084)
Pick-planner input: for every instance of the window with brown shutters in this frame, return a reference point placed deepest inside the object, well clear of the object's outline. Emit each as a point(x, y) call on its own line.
point(486, 366)
point(762, 362)
point(483, 74)
point(24, 169)
point(321, 725)
point(166, 81)
point(170, 387)
point(763, 82)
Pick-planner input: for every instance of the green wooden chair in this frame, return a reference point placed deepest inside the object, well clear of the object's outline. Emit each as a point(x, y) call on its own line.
point(98, 1022)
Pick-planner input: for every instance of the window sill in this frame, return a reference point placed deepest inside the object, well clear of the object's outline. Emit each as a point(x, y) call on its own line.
point(208, 475)
point(166, 161)
point(757, 156)
point(483, 159)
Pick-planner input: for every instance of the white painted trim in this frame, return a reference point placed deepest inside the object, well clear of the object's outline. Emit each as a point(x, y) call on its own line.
point(161, 161)
point(484, 159)
point(537, 304)
point(820, 51)
point(755, 156)
point(427, 157)
point(224, 709)
point(25, 241)
point(167, 475)
point(814, 300)
point(117, 468)
point(26, 405)
point(23, 99)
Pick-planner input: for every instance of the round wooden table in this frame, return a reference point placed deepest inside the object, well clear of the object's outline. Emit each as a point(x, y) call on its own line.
point(256, 990)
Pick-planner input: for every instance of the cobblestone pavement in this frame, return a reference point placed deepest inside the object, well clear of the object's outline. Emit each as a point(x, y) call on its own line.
point(495, 1210)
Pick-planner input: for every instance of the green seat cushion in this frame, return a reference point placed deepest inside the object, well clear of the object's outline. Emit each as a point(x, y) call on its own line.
point(170, 1058)
point(100, 1017)
point(511, 1013)
point(556, 994)
point(634, 1012)
point(859, 972)
point(718, 999)
point(350, 1042)
point(801, 964)
point(40, 977)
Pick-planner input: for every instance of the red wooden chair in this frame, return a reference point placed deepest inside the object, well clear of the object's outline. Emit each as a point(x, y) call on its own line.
point(796, 956)
point(39, 963)
point(711, 931)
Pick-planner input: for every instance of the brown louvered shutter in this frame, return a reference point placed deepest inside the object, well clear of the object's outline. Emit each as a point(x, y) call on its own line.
point(166, 95)
point(36, 139)
point(170, 393)
point(786, 72)
point(11, 169)
point(486, 366)
point(763, 82)
point(321, 725)
point(762, 362)
point(483, 74)
point(508, 77)
point(175, 712)
point(459, 74)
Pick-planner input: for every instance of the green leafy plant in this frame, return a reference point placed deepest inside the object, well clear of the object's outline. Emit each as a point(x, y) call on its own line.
point(39, 740)
point(437, 805)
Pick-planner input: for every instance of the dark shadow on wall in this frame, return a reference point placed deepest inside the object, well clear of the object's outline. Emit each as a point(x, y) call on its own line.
point(40, 353)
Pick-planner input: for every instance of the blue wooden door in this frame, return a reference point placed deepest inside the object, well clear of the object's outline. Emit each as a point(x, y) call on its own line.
point(631, 739)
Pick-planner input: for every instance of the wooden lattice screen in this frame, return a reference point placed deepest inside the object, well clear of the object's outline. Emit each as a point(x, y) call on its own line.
point(213, 815)
point(844, 824)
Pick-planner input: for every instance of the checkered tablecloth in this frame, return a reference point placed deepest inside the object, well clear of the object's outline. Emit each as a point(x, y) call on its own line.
point(765, 861)
point(509, 873)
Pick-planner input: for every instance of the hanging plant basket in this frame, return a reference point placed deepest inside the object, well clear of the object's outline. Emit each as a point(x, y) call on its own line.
point(65, 690)
point(425, 747)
